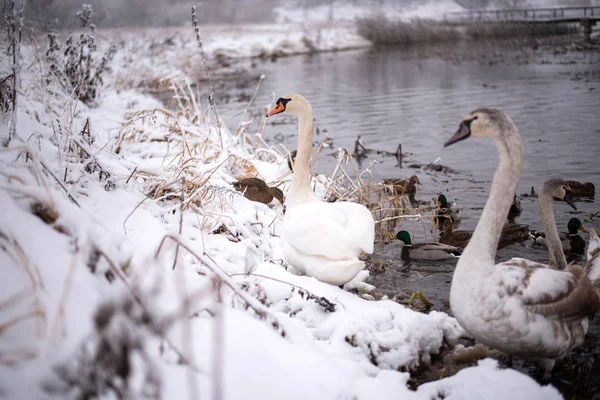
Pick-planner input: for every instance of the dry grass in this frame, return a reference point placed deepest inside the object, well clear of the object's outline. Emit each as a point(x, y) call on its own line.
point(380, 30)
point(500, 30)
point(193, 156)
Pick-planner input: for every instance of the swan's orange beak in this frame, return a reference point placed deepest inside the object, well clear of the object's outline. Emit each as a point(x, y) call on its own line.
point(279, 108)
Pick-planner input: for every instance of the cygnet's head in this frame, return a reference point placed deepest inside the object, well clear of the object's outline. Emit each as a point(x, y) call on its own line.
point(559, 189)
point(292, 103)
point(484, 122)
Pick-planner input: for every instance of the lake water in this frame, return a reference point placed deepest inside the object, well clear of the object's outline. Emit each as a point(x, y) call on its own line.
point(417, 97)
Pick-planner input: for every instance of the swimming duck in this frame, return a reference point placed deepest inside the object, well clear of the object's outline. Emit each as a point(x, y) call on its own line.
point(444, 211)
point(511, 233)
point(404, 186)
point(570, 241)
point(579, 189)
point(425, 251)
point(519, 307)
point(256, 189)
point(320, 239)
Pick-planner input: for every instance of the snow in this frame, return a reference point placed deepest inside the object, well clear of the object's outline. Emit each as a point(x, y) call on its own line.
point(229, 320)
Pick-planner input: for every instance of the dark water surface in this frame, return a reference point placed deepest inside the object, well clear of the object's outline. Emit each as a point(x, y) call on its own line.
point(417, 98)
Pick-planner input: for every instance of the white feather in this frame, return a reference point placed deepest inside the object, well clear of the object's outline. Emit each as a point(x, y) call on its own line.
point(324, 240)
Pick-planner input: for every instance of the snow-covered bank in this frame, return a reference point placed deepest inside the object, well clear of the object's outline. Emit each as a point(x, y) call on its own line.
point(98, 299)
point(160, 53)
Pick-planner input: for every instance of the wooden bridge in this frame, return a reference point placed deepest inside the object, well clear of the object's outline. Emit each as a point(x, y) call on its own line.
point(587, 17)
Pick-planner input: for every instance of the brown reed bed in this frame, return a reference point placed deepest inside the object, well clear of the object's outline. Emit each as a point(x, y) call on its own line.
point(382, 31)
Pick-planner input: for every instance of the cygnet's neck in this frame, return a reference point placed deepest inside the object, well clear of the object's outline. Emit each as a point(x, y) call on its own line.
point(555, 251)
point(484, 242)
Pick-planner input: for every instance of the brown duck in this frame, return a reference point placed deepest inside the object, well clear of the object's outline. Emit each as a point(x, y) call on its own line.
point(579, 189)
point(404, 186)
point(511, 233)
point(256, 189)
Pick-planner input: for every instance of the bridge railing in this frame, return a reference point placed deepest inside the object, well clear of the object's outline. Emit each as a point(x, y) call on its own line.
point(524, 14)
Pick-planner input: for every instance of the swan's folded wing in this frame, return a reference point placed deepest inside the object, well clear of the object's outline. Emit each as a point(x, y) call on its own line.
point(592, 267)
point(594, 244)
point(360, 224)
point(326, 229)
point(566, 295)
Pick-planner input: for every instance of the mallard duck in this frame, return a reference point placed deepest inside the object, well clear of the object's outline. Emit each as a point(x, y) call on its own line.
point(320, 239)
point(579, 189)
point(425, 251)
point(444, 211)
point(256, 189)
point(570, 241)
point(519, 307)
point(404, 186)
point(511, 233)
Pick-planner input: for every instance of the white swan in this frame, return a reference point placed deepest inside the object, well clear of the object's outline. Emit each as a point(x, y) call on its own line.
point(520, 307)
point(322, 240)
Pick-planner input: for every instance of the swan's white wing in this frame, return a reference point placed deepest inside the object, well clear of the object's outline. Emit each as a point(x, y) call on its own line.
point(333, 230)
point(592, 267)
point(360, 224)
point(593, 245)
point(565, 295)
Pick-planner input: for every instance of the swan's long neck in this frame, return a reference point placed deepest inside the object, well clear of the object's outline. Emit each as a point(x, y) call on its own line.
point(555, 251)
point(300, 191)
point(480, 253)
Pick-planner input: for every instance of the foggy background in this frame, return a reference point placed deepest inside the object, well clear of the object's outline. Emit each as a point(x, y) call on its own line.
point(119, 13)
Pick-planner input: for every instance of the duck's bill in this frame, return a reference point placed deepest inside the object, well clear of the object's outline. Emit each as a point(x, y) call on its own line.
point(569, 199)
point(582, 229)
point(462, 133)
point(279, 108)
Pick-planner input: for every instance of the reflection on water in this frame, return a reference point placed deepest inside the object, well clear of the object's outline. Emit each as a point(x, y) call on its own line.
point(396, 96)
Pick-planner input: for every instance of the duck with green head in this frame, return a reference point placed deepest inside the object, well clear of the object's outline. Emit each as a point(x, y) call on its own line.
point(571, 241)
point(425, 251)
point(446, 211)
